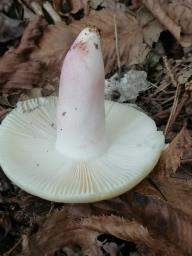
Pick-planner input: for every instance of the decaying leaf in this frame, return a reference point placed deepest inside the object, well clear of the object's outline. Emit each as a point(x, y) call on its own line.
point(5, 5)
point(64, 7)
point(127, 87)
point(178, 192)
point(61, 229)
point(10, 28)
point(17, 69)
point(171, 158)
point(58, 38)
point(5, 223)
point(77, 5)
point(107, 4)
point(150, 25)
point(165, 221)
point(175, 16)
point(111, 248)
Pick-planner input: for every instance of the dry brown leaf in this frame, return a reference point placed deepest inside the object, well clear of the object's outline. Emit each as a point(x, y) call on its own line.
point(148, 188)
point(76, 5)
point(62, 229)
point(10, 29)
point(58, 38)
point(17, 70)
point(175, 16)
point(178, 193)
point(164, 221)
point(150, 25)
point(170, 159)
point(107, 4)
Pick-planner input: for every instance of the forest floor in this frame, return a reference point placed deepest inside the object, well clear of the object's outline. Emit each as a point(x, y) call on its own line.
point(151, 41)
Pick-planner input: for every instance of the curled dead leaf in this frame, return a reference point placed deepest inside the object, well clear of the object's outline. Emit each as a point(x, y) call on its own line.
point(17, 69)
point(175, 16)
point(178, 193)
point(171, 158)
point(62, 229)
point(165, 221)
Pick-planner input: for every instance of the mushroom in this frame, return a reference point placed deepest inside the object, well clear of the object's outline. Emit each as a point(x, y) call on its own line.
point(78, 148)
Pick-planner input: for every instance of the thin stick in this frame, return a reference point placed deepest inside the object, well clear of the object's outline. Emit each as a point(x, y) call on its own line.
point(13, 248)
point(176, 97)
point(117, 45)
point(34, 6)
point(169, 72)
point(52, 13)
point(180, 106)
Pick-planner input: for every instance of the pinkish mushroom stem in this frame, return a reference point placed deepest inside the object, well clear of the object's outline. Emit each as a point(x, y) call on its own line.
point(81, 113)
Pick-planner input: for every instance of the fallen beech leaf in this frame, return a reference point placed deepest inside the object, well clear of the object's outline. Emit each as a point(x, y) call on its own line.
point(175, 16)
point(115, 205)
point(49, 244)
point(17, 69)
point(178, 192)
point(148, 188)
point(58, 38)
point(171, 158)
point(150, 25)
point(164, 221)
point(10, 29)
point(62, 229)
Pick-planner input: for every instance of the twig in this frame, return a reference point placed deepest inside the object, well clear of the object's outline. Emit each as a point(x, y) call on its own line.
point(167, 100)
point(117, 45)
point(169, 72)
point(180, 106)
point(155, 86)
point(52, 13)
point(163, 113)
point(34, 6)
point(13, 248)
point(51, 208)
point(37, 8)
point(176, 97)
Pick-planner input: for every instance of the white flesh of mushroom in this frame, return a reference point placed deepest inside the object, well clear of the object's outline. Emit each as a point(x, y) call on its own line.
point(77, 148)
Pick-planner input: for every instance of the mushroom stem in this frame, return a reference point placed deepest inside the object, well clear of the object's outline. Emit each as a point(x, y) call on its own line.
point(80, 111)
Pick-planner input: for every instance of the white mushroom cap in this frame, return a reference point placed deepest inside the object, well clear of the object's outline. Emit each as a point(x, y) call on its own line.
point(33, 157)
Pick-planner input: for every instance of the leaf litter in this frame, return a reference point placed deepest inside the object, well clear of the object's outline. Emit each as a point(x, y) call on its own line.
point(155, 217)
